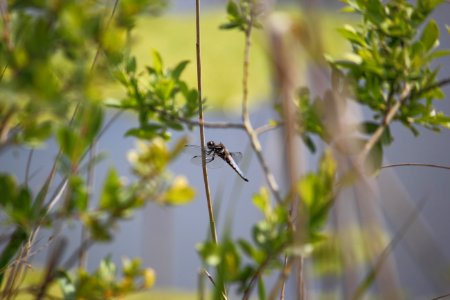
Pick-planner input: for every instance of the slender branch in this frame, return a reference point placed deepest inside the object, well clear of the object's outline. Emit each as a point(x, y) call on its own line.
point(246, 118)
point(27, 168)
point(258, 273)
point(201, 120)
point(267, 127)
point(390, 114)
point(282, 278)
point(97, 52)
point(441, 297)
point(416, 165)
point(218, 125)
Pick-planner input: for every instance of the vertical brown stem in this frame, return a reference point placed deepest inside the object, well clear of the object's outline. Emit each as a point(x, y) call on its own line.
point(200, 119)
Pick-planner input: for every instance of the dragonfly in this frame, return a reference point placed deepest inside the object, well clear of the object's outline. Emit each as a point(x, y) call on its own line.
point(216, 155)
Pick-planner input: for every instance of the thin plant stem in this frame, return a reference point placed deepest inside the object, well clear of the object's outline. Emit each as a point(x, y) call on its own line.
point(258, 272)
point(27, 168)
point(415, 165)
point(254, 141)
point(441, 297)
point(267, 127)
point(217, 125)
point(390, 114)
point(212, 223)
point(281, 279)
point(97, 52)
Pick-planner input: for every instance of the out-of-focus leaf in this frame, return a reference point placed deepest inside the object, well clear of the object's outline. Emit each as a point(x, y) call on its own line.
point(78, 193)
point(97, 229)
point(157, 63)
point(66, 285)
point(111, 193)
point(149, 277)
point(176, 72)
point(374, 159)
point(316, 191)
point(209, 252)
point(262, 201)
point(131, 65)
point(233, 9)
point(16, 240)
point(261, 289)
point(350, 34)
point(179, 192)
point(430, 35)
point(107, 270)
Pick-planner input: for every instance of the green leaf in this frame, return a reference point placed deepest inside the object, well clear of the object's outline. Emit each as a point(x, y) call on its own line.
point(157, 63)
point(145, 132)
point(176, 72)
point(374, 159)
point(375, 11)
point(78, 194)
point(92, 122)
point(16, 240)
point(179, 192)
point(261, 201)
point(97, 229)
point(8, 189)
point(209, 252)
point(233, 9)
point(66, 285)
point(370, 127)
point(430, 35)
point(350, 34)
point(228, 26)
point(111, 193)
point(131, 65)
point(438, 54)
point(309, 143)
point(261, 289)
point(107, 270)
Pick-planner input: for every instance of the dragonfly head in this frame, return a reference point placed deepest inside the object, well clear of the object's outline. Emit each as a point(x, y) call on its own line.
point(210, 144)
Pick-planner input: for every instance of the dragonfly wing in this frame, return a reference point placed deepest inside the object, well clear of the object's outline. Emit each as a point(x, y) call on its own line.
point(193, 149)
point(212, 162)
point(237, 156)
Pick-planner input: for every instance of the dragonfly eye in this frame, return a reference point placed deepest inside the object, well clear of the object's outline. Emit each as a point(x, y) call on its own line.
point(210, 144)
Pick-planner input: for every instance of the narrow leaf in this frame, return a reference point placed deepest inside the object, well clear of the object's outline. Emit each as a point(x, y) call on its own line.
point(430, 35)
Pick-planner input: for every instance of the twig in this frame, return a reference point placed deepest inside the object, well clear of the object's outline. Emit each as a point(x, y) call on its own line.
point(258, 273)
point(27, 168)
point(267, 127)
point(97, 52)
point(246, 118)
point(218, 125)
point(416, 165)
point(281, 279)
point(200, 120)
point(441, 297)
point(204, 271)
point(390, 114)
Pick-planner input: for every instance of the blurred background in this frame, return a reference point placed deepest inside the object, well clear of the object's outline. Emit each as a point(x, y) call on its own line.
point(166, 237)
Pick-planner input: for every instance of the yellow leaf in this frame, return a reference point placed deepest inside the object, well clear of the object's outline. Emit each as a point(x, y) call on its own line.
point(149, 277)
point(179, 193)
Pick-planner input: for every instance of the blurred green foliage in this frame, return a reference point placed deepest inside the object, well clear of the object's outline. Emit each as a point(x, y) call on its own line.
point(55, 57)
